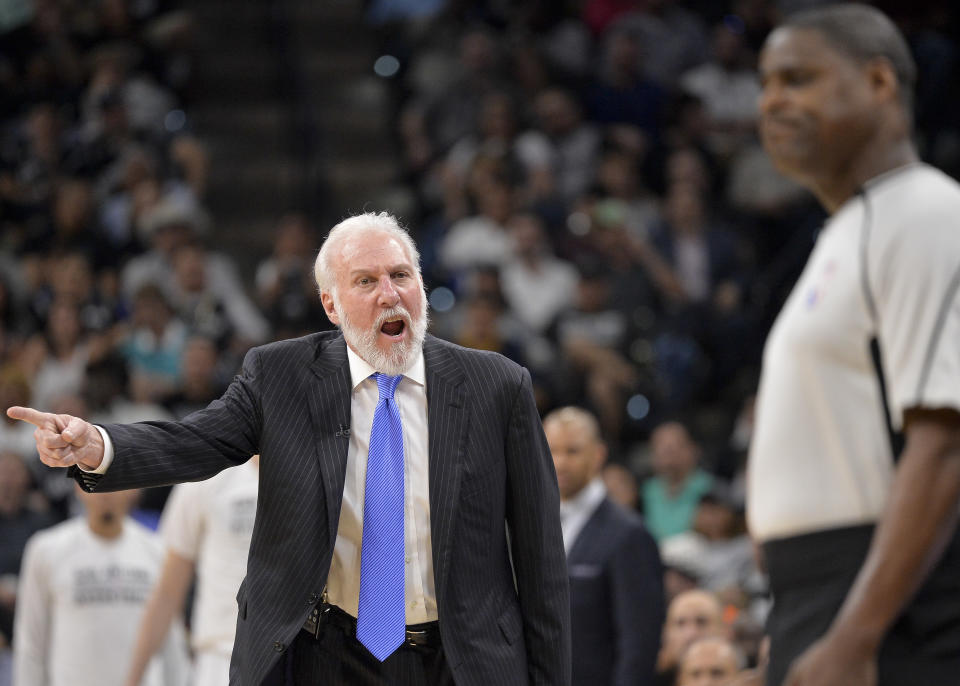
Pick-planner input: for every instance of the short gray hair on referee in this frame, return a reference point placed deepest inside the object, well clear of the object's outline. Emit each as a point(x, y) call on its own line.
point(380, 222)
point(862, 33)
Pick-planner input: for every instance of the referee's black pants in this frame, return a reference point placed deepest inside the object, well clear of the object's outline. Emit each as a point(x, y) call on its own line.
point(337, 658)
point(810, 576)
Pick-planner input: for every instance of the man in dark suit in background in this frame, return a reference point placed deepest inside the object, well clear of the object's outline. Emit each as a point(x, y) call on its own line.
point(408, 576)
point(616, 580)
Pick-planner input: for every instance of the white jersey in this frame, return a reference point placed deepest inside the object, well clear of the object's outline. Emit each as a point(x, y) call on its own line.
point(80, 602)
point(886, 266)
point(211, 522)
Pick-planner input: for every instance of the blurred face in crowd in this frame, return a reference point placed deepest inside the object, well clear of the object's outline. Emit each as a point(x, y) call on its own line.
point(816, 108)
point(72, 277)
point(14, 482)
point(72, 207)
point(378, 300)
point(557, 113)
point(199, 362)
point(578, 453)
point(674, 452)
point(189, 265)
point(691, 616)
point(684, 208)
point(708, 662)
point(293, 237)
point(621, 485)
point(715, 520)
point(497, 117)
point(63, 325)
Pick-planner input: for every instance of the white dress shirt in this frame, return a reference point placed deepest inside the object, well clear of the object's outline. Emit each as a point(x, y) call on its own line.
point(576, 512)
point(343, 581)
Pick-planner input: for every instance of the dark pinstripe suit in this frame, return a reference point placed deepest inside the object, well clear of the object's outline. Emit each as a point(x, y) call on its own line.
point(488, 464)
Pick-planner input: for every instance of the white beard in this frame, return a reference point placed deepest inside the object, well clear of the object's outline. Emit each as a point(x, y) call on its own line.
point(401, 355)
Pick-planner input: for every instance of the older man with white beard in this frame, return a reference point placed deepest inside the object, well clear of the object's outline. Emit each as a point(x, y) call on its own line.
point(407, 528)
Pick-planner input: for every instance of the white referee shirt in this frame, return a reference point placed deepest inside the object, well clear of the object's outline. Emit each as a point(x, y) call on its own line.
point(821, 455)
point(343, 581)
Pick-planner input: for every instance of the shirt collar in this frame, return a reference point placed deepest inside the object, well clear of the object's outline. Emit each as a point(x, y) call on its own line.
point(586, 501)
point(360, 369)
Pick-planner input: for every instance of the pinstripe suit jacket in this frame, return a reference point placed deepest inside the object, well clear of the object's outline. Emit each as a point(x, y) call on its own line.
point(502, 591)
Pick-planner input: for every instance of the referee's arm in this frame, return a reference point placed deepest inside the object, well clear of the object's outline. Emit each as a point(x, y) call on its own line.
point(909, 539)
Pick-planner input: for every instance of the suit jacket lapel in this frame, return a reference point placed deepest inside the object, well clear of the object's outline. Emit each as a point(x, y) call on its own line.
point(589, 535)
point(447, 421)
point(329, 399)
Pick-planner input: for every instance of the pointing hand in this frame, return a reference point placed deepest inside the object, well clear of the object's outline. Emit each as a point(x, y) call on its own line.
point(62, 440)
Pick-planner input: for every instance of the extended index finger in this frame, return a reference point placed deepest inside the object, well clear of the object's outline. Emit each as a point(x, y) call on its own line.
point(39, 419)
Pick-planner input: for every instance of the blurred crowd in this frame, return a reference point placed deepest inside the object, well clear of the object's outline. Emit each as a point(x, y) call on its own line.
point(587, 191)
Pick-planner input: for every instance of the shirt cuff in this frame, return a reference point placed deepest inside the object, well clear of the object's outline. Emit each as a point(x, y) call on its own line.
point(107, 454)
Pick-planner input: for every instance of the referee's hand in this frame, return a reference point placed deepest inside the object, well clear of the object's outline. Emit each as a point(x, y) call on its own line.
point(62, 440)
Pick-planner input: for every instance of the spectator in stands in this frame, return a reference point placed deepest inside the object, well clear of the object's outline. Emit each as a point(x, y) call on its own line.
point(201, 381)
point(284, 283)
point(523, 155)
point(227, 316)
point(537, 284)
point(717, 542)
point(154, 345)
point(621, 485)
point(593, 338)
point(59, 357)
point(671, 495)
point(711, 661)
point(89, 577)
point(729, 87)
point(691, 616)
point(575, 143)
point(621, 93)
point(482, 239)
point(15, 388)
point(674, 39)
point(616, 592)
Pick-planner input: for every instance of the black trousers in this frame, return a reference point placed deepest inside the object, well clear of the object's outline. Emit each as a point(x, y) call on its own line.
point(339, 659)
point(810, 576)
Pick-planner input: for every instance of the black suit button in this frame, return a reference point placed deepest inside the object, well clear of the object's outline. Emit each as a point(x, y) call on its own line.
point(312, 600)
point(278, 646)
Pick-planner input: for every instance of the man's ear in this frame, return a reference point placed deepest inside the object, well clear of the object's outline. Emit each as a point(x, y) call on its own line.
point(330, 308)
point(883, 79)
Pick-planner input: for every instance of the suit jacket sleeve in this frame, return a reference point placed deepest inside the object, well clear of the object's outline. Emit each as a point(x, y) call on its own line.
point(224, 434)
point(637, 603)
point(533, 517)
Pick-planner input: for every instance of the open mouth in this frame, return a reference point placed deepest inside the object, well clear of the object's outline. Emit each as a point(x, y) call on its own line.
point(394, 327)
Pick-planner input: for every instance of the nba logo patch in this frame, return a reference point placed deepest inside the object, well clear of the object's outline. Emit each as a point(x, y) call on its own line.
point(817, 291)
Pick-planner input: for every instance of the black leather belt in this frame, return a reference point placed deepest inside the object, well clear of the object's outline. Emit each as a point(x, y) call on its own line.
point(418, 635)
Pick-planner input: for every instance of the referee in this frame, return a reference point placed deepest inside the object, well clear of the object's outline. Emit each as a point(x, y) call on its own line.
point(855, 464)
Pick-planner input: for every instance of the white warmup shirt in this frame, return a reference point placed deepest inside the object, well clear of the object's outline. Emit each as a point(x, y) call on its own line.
point(821, 455)
point(210, 523)
point(79, 606)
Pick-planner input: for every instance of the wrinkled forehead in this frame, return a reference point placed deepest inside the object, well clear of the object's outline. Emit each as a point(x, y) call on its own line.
point(368, 248)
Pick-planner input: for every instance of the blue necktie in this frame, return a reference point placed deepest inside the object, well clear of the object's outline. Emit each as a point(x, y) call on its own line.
point(381, 615)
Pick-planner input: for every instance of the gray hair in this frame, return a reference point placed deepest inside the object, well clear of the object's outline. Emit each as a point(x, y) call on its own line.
point(381, 222)
point(862, 33)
